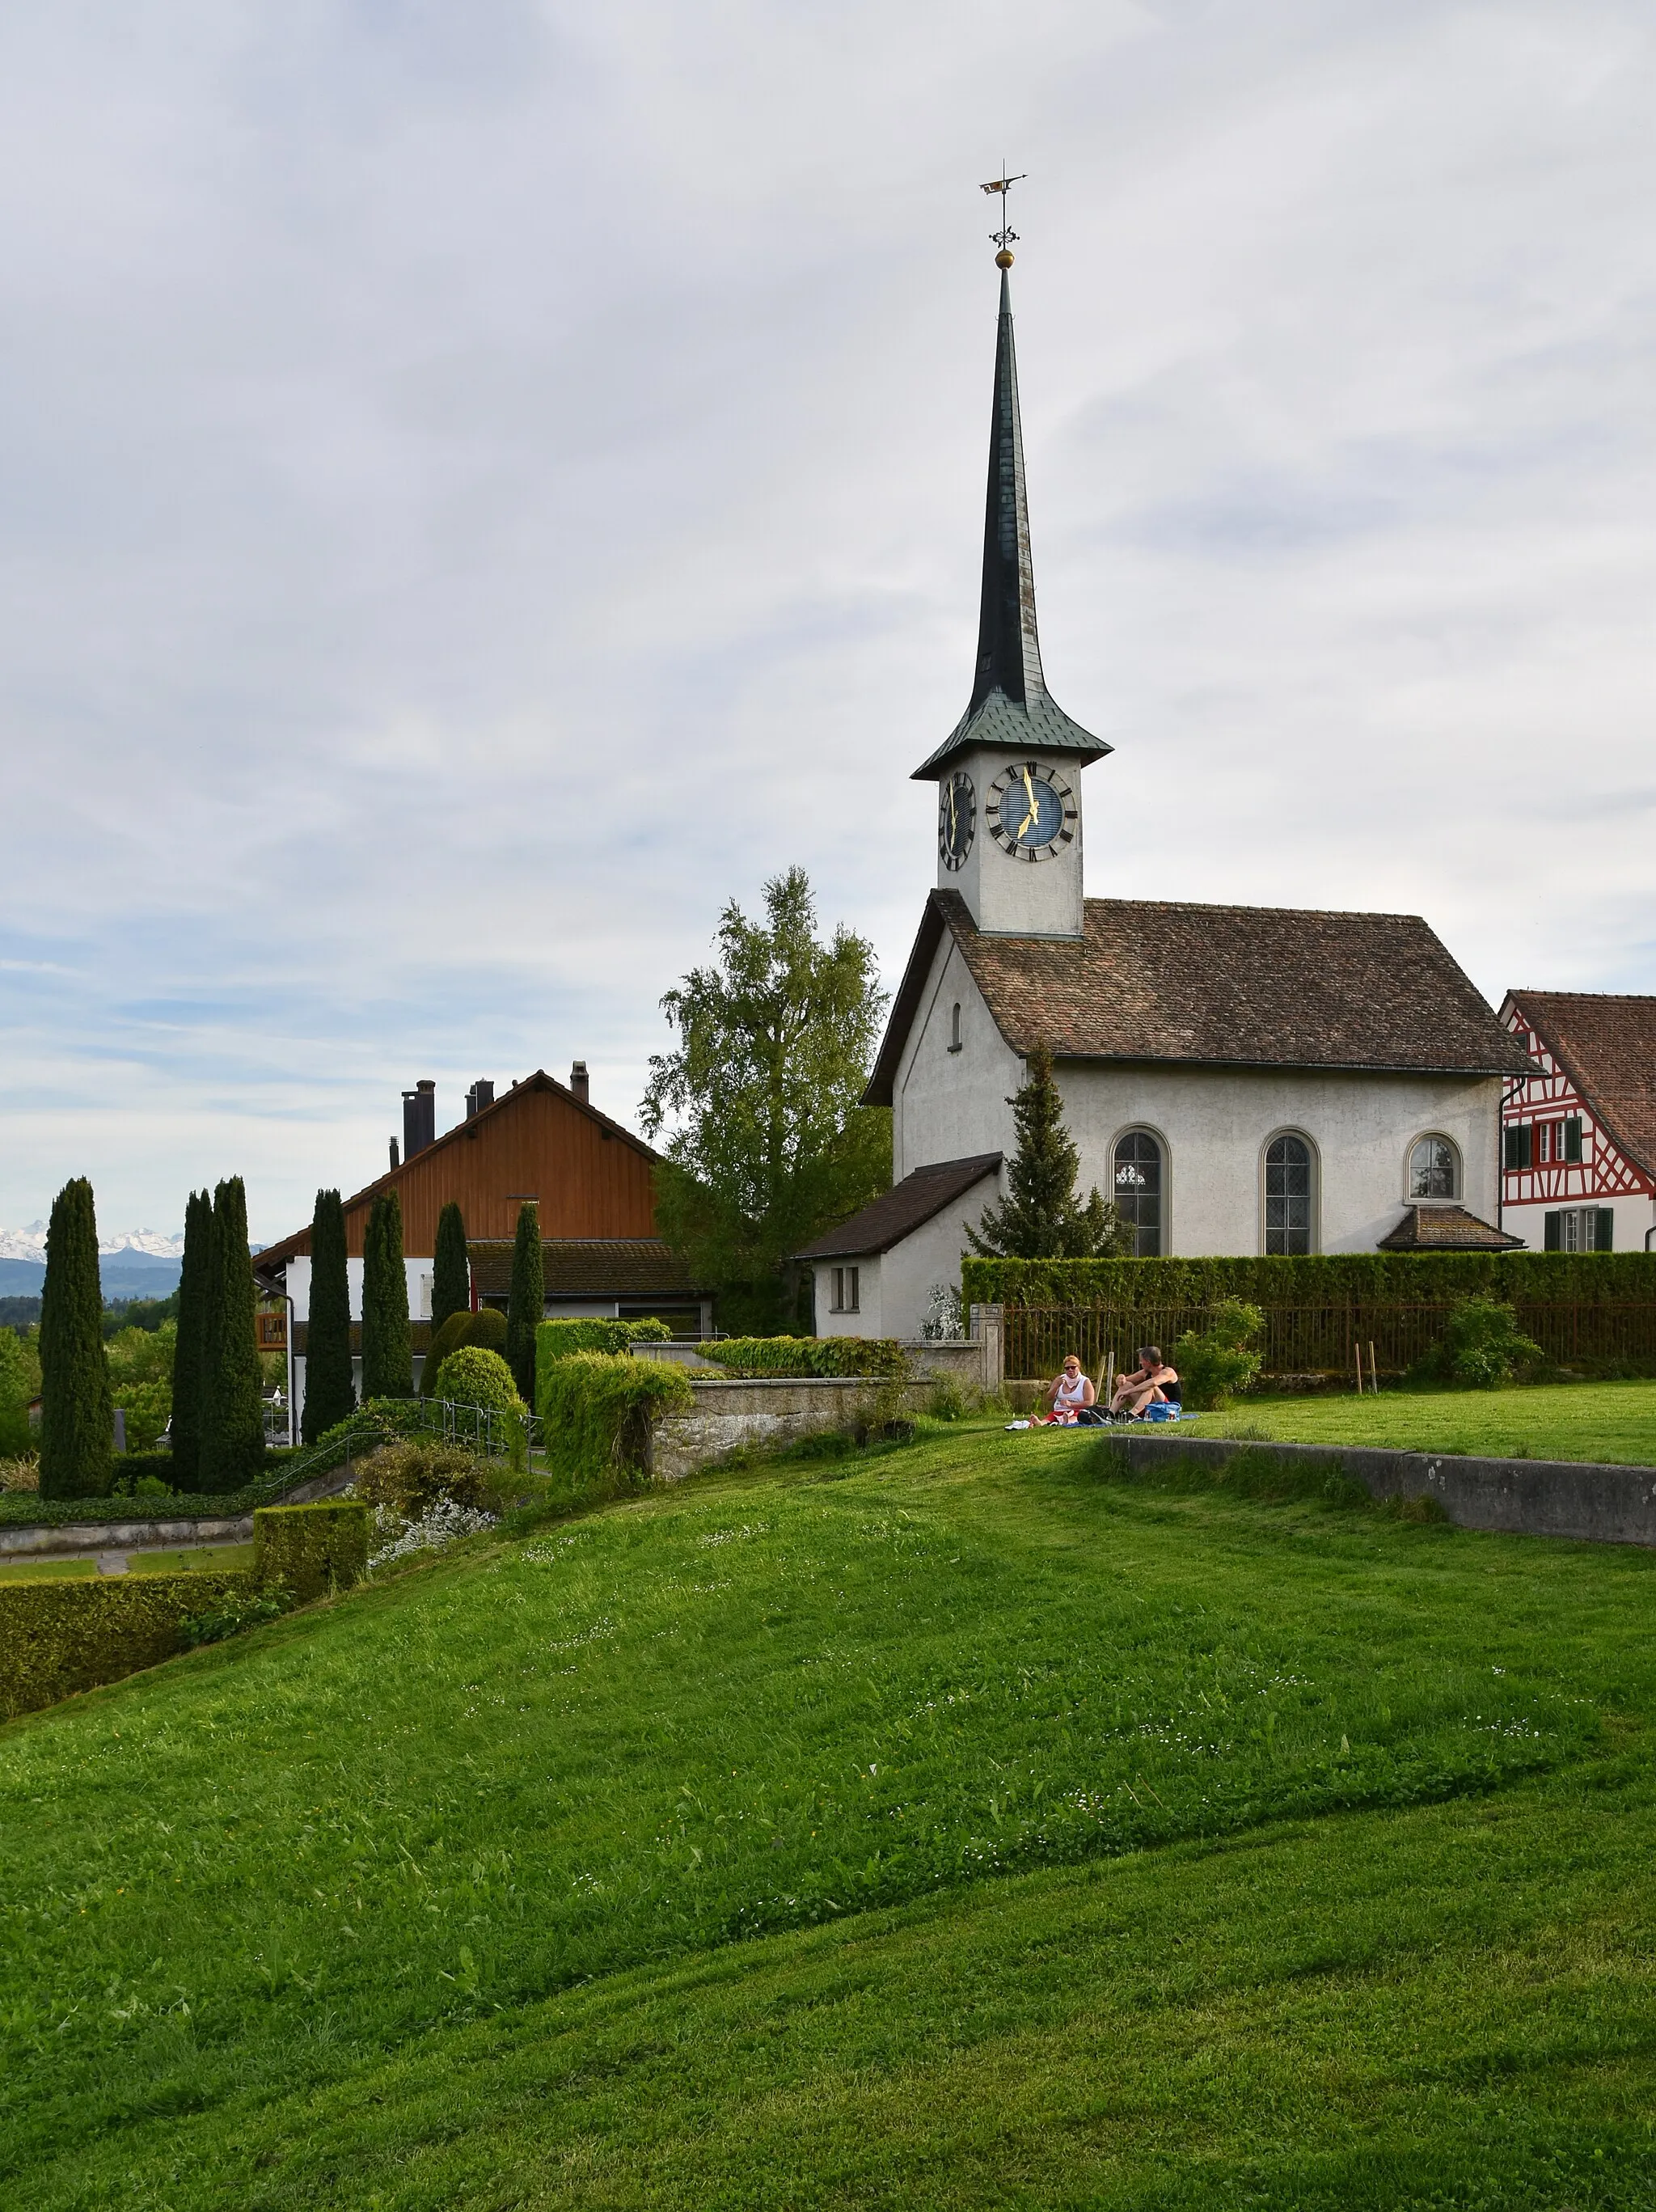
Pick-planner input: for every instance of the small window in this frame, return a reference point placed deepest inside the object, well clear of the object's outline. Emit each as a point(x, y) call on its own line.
point(843, 1283)
point(1288, 1195)
point(1516, 1149)
point(955, 1028)
point(1137, 1190)
point(1580, 1228)
point(1434, 1170)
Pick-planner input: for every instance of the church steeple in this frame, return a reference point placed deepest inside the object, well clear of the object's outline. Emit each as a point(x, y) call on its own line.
point(1009, 705)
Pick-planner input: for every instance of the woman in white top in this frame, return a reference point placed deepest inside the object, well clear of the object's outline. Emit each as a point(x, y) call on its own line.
point(1067, 1394)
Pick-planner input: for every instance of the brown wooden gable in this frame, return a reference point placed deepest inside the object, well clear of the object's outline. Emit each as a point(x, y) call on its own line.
point(591, 1177)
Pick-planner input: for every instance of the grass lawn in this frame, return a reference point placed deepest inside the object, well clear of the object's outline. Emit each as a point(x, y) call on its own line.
point(206, 1557)
point(967, 1830)
point(1611, 1421)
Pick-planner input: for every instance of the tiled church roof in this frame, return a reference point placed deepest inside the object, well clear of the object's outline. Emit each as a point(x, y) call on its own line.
point(1237, 986)
point(1446, 1229)
point(1606, 1045)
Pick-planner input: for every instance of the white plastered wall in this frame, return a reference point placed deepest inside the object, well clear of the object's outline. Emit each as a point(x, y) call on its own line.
point(1634, 1217)
point(894, 1286)
point(417, 1271)
point(948, 1104)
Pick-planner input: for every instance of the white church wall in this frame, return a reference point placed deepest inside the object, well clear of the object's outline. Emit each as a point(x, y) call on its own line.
point(1215, 1124)
point(950, 1105)
point(865, 1319)
point(932, 1255)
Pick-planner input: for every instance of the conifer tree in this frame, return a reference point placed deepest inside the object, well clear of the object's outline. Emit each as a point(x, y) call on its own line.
point(189, 1349)
point(1042, 1218)
point(330, 1387)
point(78, 1419)
point(387, 1341)
point(527, 1308)
point(232, 1403)
point(450, 1278)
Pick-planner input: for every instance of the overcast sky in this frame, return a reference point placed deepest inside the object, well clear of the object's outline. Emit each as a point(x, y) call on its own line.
point(484, 484)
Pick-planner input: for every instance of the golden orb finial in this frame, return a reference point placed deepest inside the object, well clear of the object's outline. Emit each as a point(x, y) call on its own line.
point(1003, 259)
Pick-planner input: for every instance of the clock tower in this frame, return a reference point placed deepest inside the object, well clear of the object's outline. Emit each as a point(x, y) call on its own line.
point(1009, 776)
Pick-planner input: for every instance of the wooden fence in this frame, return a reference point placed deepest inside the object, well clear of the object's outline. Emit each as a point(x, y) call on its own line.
point(1321, 1339)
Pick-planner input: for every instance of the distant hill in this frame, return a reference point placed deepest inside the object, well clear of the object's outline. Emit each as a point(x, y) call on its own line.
point(125, 1275)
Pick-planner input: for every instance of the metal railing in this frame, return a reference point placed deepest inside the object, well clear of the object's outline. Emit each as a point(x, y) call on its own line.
point(1321, 1339)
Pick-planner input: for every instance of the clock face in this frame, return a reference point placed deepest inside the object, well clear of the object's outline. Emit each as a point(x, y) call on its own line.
point(1032, 812)
point(957, 815)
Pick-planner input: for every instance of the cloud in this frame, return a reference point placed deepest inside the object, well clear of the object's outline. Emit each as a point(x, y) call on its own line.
point(479, 495)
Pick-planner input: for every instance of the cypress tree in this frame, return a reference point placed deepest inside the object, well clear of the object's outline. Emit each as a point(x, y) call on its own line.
point(387, 1340)
point(1042, 1218)
point(330, 1387)
point(77, 1418)
point(232, 1404)
point(188, 1352)
point(450, 1280)
point(527, 1309)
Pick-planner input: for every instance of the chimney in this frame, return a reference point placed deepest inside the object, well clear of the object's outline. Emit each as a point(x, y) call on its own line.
point(578, 1081)
point(481, 1094)
point(395, 1162)
point(419, 1118)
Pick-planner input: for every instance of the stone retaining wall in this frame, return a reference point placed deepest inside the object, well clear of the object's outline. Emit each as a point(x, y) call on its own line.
point(1593, 1502)
point(763, 1409)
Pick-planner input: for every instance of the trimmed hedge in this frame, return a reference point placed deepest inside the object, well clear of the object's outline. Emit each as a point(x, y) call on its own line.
point(1323, 1278)
point(854, 1356)
point(311, 1550)
point(476, 1376)
point(597, 1409)
point(58, 1637)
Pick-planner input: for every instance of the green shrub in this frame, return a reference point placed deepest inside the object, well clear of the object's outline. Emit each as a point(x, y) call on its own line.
point(475, 1377)
point(413, 1473)
point(881, 1357)
point(1213, 1362)
point(58, 1637)
point(1482, 1346)
point(311, 1549)
point(236, 1610)
point(486, 1328)
point(1320, 1279)
point(599, 1408)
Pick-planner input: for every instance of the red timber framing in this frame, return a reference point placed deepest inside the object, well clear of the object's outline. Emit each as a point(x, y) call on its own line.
point(1555, 1148)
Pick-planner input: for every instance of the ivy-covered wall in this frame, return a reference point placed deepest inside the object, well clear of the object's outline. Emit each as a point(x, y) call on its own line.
point(1321, 1280)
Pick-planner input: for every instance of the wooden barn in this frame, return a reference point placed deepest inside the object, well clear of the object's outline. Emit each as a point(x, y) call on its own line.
point(540, 1140)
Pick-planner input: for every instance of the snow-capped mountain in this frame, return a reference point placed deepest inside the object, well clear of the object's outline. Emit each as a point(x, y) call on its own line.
point(30, 1244)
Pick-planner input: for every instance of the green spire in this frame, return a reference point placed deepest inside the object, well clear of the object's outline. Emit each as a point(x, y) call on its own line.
point(78, 1419)
point(330, 1388)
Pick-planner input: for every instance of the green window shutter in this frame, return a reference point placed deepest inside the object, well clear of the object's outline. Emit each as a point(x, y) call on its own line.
point(1520, 1141)
point(1606, 1240)
point(1552, 1238)
point(1573, 1138)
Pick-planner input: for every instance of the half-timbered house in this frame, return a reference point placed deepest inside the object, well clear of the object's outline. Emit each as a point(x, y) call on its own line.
point(1578, 1130)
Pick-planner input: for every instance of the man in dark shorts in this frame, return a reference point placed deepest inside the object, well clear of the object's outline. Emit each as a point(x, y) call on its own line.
point(1143, 1385)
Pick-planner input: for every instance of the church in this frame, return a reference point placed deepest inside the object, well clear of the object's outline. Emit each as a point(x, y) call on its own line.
point(1238, 1080)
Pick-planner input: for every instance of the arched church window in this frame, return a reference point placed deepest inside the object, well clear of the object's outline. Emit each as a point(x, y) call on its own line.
point(1433, 1168)
point(1288, 1195)
point(1137, 1190)
point(955, 1028)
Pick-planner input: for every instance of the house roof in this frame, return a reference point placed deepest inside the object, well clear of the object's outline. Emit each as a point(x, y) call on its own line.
point(585, 1267)
point(1230, 986)
point(1446, 1229)
point(1010, 704)
point(1606, 1044)
point(911, 1203)
point(270, 1262)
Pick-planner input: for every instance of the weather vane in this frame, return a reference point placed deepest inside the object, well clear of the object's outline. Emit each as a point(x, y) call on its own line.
point(1005, 237)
